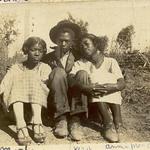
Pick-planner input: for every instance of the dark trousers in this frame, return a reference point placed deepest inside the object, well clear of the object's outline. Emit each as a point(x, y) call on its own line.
point(65, 99)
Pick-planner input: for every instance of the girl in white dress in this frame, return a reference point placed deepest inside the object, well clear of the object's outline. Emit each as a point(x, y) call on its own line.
point(26, 82)
point(105, 83)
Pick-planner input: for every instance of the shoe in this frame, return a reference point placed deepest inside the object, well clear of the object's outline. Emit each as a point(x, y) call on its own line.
point(110, 133)
point(122, 133)
point(75, 128)
point(61, 128)
point(39, 137)
point(25, 139)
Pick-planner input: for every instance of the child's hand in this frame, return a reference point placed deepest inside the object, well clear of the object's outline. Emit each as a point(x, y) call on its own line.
point(94, 90)
point(52, 64)
point(104, 89)
point(109, 88)
point(99, 90)
point(88, 89)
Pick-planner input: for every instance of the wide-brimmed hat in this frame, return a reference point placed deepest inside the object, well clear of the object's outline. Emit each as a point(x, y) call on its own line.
point(64, 24)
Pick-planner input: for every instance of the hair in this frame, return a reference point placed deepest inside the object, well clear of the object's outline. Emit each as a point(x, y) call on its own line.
point(32, 41)
point(100, 43)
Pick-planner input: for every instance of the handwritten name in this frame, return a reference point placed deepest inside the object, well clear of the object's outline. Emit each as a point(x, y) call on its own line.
point(132, 146)
point(82, 148)
point(139, 146)
point(118, 146)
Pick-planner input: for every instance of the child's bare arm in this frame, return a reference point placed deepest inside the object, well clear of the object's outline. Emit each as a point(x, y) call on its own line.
point(121, 84)
point(110, 88)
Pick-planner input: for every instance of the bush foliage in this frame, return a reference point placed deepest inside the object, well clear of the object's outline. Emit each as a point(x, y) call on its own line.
point(8, 34)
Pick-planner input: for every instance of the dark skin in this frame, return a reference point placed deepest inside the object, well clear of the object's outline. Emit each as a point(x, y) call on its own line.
point(64, 42)
point(91, 54)
point(35, 54)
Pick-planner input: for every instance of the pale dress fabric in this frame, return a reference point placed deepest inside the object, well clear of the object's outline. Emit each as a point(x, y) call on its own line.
point(23, 85)
point(108, 72)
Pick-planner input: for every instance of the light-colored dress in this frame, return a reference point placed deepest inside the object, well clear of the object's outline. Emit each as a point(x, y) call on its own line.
point(108, 72)
point(21, 84)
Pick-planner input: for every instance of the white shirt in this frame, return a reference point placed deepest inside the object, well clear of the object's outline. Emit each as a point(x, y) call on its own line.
point(108, 72)
point(64, 59)
point(109, 65)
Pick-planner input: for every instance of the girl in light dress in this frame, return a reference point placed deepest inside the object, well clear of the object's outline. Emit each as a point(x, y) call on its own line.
point(26, 82)
point(104, 85)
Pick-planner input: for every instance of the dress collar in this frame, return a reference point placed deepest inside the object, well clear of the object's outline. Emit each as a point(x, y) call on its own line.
point(23, 67)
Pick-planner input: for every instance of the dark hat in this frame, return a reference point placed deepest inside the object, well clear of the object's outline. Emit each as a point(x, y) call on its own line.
point(64, 24)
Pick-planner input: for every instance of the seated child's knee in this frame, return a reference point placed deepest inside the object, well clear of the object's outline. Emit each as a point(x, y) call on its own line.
point(82, 73)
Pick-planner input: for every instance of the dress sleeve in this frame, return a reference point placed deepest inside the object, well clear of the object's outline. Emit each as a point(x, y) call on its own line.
point(45, 72)
point(8, 79)
point(115, 69)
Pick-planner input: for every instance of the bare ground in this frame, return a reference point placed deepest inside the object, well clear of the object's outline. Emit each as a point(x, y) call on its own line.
point(92, 131)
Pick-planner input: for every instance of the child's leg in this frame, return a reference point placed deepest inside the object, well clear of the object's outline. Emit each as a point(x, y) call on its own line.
point(121, 130)
point(22, 131)
point(116, 112)
point(39, 134)
point(109, 131)
point(36, 110)
point(103, 109)
point(19, 114)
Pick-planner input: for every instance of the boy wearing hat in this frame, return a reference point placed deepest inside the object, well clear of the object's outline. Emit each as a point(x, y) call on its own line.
point(66, 36)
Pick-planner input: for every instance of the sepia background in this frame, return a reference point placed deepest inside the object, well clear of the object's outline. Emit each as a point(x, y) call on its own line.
point(104, 18)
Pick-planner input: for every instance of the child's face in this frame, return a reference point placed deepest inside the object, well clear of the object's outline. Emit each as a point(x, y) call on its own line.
point(35, 53)
point(88, 47)
point(64, 41)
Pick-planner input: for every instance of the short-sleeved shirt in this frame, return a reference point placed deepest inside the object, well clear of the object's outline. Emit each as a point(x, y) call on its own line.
point(109, 65)
point(108, 72)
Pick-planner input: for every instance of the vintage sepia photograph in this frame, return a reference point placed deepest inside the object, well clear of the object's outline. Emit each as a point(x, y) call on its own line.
point(74, 72)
